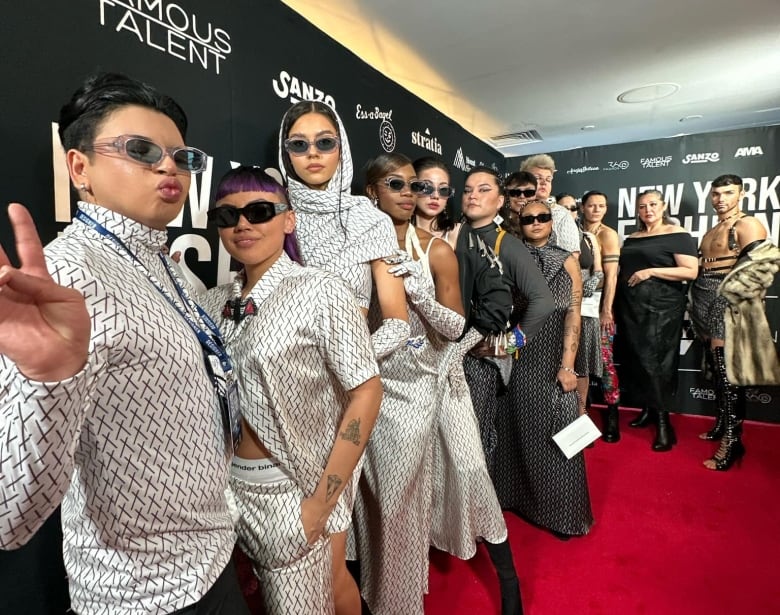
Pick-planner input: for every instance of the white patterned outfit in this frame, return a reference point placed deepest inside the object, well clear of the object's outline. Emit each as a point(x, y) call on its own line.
point(465, 507)
point(296, 359)
point(338, 231)
point(133, 444)
point(393, 509)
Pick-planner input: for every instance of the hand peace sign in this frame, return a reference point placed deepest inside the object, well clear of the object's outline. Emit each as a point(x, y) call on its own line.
point(44, 327)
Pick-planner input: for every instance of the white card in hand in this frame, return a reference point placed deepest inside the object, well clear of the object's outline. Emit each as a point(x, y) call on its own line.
point(576, 436)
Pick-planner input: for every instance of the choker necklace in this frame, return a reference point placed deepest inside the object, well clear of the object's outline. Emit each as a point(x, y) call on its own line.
point(734, 215)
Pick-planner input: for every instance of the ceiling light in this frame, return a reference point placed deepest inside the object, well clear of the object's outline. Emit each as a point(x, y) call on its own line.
point(588, 127)
point(648, 93)
point(688, 118)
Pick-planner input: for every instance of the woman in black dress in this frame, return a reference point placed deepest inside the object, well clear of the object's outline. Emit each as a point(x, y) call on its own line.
point(532, 476)
point(654, 264)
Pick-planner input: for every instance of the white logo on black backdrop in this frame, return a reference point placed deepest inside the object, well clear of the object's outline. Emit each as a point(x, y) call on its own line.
point(753, 150)
point(463, 162)
point(426, 141)
point(655, 162)
point(170, 29)
point(582, 169)
point(701, 157)
point(387, 137)
point(616, 165)
point(298, 90)
point(699, 393)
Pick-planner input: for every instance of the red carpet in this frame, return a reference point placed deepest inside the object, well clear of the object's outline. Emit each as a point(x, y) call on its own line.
point(671, 538)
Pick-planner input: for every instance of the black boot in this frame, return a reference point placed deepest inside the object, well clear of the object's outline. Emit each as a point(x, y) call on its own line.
point(611, 425)
point(731, 449)
point(724, 395)
point(665, 437)
point(501, 556)
point(644, 419)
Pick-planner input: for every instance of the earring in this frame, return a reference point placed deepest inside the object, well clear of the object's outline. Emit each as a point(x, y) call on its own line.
point(83, 187)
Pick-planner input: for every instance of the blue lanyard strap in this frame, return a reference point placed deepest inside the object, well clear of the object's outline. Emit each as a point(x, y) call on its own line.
point(211, 341)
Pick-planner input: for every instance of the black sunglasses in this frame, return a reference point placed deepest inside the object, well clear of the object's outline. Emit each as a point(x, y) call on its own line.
point(256, 212)
point(300, 147)
point(417, 186)
point(516, 192)
point(528, 220)
point(572, 207)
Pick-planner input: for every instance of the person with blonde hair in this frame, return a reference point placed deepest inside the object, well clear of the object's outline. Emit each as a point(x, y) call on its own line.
point(565, 232)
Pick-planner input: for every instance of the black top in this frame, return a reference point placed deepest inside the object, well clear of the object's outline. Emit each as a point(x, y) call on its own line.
point(521, 272)
point(586, 253)
point(654, 251)
point(487, 300)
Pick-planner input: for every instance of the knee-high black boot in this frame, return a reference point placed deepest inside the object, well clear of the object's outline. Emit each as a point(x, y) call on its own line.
point(665, 437)
point(501, 556)
point(717, 364)
point(731, 448)
point(611, 424)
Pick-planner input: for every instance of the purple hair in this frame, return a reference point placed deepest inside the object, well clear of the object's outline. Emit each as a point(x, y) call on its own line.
point(255, 179)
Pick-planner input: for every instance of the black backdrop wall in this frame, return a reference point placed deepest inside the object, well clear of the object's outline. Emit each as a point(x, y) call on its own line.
point(682, 168)
point(236, 66)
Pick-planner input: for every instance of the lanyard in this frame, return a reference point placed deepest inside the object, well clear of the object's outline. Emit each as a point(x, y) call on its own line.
point(211, 341)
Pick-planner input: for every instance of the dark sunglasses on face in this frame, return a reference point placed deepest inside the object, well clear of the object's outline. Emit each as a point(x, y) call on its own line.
point(517, 192)
point(256, 212)
point(444, 192)
point(530, 219)
point(572, 207)
point(148, 153)
point(396, 184)
point(300, 147)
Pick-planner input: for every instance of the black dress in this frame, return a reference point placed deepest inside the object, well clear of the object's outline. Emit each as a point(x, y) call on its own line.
point(650, 317)
point(532, 476)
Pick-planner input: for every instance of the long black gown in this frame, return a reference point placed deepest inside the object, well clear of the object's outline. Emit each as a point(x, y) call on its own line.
point(532, 475)
point(650, 317)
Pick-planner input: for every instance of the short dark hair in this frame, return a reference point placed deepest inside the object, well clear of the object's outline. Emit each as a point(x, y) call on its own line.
point(383, 165)
point(521, 177)
point(102, 94)
point(489, 171)
point(563, 195)
point(430, 162)
point(591, 193)
point(727, 180)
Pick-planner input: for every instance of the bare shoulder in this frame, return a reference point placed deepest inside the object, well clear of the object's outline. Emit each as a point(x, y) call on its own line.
point(750, 227)
point(608, 237)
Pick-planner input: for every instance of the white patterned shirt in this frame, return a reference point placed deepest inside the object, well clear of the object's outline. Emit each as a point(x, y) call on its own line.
point(133, 445)
point(567, 235)
point(296, 359)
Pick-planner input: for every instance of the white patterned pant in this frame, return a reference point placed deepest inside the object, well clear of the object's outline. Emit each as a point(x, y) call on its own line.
point(294, 577)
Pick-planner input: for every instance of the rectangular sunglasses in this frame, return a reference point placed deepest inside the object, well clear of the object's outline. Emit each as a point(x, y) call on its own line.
point(255, 212)
point(528, 220)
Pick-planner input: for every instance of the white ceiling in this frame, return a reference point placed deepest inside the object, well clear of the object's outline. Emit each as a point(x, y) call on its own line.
point(501, 66)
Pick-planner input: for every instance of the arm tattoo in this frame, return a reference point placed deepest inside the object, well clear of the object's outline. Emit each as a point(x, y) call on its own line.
point(334, 482)
point(352, 432)
point(576, 298)
point(610, 258)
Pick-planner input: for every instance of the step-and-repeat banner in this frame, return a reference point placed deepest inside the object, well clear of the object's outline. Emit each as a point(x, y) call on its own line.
point(234, 66)
point(683, 168)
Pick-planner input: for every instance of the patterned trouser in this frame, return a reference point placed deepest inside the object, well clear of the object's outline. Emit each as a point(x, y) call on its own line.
point(294, 578)
point(483, 379)
point(609, 378)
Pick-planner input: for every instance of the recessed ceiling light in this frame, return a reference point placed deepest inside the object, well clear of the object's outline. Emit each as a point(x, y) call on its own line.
point(588, 127)
point(688, 118)
point(648, 93)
